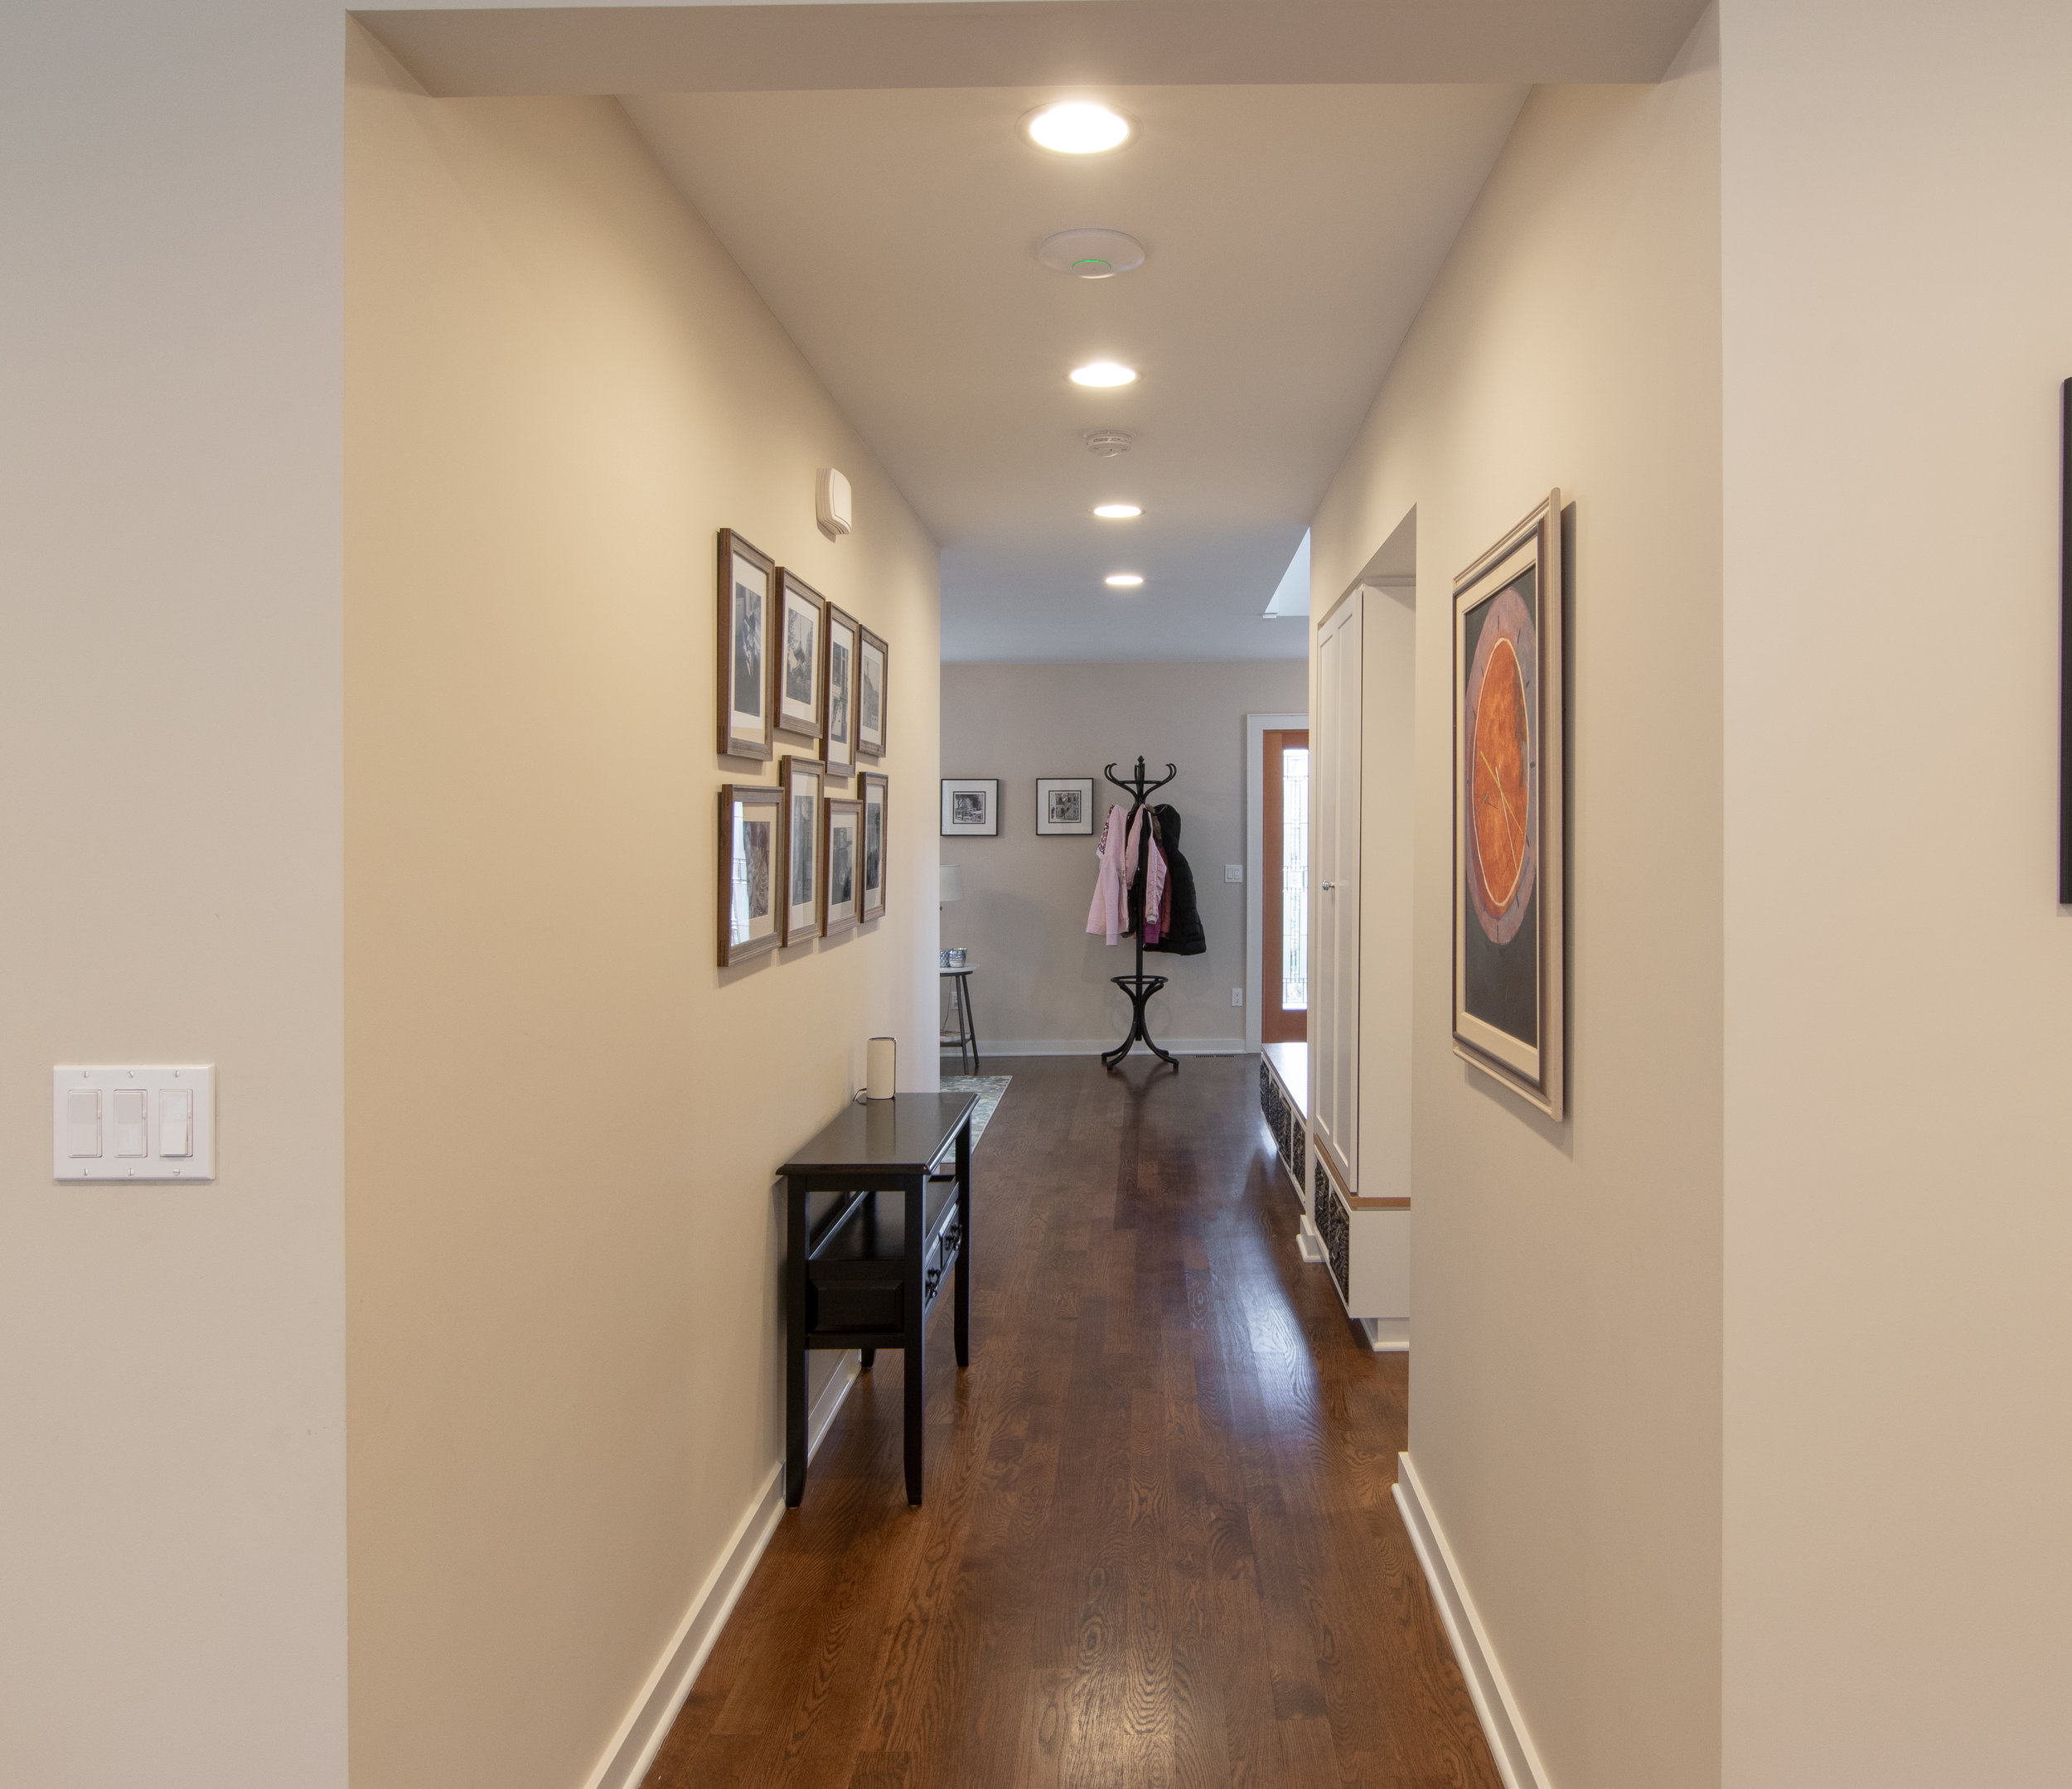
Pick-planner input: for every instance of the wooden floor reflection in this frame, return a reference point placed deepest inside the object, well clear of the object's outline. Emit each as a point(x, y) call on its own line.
point(1157, 1546)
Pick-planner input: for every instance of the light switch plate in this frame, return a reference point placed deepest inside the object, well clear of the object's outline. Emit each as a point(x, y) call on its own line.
point(195, 1080)
point(1234, 873)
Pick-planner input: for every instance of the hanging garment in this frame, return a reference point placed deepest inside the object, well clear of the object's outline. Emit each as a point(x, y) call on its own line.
point(1147, 881)
point(1182, 935)
point(1117, 851)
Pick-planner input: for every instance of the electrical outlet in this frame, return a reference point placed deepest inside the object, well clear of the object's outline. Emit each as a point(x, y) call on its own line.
point(1237, 997)
point(1234, 873)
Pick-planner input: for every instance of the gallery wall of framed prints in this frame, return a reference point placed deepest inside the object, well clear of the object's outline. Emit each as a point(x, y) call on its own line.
point(1508, 933)
point(795, 860)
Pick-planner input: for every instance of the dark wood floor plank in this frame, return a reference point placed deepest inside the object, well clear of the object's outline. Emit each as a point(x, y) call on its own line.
point(1159, 1549)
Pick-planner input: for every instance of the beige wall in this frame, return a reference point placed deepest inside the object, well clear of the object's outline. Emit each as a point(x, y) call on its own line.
point(1899, 1019)
point(1566, 1278)
point(172, 1359)
point(1041, 978)
point(562, 1240)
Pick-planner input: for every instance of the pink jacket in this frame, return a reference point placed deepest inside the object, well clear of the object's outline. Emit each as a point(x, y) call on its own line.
point(1110, 913)
point(1154, 892)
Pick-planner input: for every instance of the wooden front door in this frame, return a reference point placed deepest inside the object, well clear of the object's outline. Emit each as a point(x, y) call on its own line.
point(1284, 957)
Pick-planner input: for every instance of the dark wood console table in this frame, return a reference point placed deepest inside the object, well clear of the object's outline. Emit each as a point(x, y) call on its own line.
point(865, 1274)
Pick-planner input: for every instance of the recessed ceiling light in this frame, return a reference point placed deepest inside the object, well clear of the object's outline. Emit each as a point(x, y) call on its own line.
point(1117, 512)
point(1103, 373)
point(1124, 580)
point(1077, 127)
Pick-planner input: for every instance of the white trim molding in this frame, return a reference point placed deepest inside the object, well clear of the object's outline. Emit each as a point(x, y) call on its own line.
point(647, 1723)
point(1517, 1760)
point(1256, 726)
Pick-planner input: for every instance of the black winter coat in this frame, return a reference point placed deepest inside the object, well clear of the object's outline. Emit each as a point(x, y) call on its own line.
point(1185, 937)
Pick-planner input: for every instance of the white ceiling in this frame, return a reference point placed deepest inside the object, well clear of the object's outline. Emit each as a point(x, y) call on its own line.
point(1303, 167)
point(1293, 232)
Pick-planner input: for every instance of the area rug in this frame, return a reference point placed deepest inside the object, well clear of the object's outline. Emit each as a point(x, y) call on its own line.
point(989, 1088)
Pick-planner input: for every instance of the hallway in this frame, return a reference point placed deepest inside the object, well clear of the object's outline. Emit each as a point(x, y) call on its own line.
point(1159, 1544)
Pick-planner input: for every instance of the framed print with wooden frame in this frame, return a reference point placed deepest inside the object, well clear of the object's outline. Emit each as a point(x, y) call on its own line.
point(872, 787)
point(872, 716)
point(798, 696)
point(838, 678)
point(801, 870)
point(1508, 932)
point(841, 850)
point(750, 815)
point(748, 591)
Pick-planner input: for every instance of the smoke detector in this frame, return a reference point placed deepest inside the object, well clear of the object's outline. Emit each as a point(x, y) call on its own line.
point(1106, 444)
point(1090, 254)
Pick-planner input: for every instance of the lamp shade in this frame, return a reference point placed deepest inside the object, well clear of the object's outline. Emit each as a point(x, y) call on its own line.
point(952, 883)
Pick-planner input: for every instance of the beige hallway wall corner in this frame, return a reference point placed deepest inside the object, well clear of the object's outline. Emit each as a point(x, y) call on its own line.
point(1042, 979)
point(1566, 1419)
point(563, 1236)
point(172, 1523)
point(1898, 1047)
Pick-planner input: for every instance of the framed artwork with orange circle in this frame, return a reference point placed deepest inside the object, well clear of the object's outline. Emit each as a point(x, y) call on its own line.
point(1508, 935)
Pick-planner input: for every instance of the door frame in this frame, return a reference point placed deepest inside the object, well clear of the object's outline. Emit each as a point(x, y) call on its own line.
point(1256, 727)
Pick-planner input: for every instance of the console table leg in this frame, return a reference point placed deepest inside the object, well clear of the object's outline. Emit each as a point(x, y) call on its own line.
point(963, 1293)
point(795, 1346)
point(916, 1313)
point(866, 1355)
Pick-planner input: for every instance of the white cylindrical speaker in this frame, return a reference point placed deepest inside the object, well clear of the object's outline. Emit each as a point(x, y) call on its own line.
point(884, 1063)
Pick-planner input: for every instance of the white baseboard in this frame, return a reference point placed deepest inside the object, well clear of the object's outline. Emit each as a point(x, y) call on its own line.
point(1517, 1760)
point(647, 1724)
point(1387, 1335)
point(1310, 1242)
point(1100, 1046)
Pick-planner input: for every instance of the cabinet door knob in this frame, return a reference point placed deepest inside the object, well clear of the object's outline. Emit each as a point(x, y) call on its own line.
point(1325, 887)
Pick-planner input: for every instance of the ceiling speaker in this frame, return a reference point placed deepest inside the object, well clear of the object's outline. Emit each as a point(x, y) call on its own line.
point(1090, 254)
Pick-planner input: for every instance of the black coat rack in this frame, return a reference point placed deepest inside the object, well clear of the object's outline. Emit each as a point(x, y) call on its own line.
point(1140, 987)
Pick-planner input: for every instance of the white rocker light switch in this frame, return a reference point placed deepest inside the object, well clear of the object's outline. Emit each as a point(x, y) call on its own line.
point(163, 1121)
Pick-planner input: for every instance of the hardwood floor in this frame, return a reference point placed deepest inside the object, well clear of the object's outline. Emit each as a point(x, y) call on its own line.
point(1157, 1545)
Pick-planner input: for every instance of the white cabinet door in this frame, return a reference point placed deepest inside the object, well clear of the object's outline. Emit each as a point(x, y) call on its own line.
point(1334, 998)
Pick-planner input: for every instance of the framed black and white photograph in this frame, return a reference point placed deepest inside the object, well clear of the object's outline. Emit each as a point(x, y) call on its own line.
point(798, 693)
point(1509, 955)
point(971, 807)
point(872, 655)
point(838, 677)
point(842, 844)
point(1064, 807)
point(800, 869)
point(872, 785)
point(747, 592)
point(750, 815)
